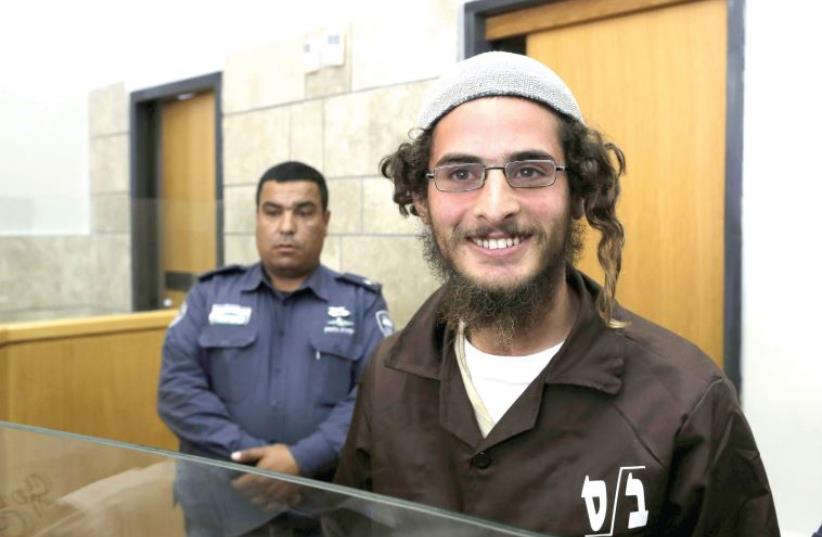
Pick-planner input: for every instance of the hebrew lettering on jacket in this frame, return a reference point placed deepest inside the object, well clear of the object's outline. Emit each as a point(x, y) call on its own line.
point(595, 494)
point(596, 502)
point(638, 518)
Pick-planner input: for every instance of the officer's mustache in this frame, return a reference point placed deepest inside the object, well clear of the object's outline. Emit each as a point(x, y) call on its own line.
point(287, 241)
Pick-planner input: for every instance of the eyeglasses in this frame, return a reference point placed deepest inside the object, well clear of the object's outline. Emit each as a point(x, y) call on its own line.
point(464, 177)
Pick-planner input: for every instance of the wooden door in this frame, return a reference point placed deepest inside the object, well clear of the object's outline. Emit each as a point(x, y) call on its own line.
point(653, 80)
point(188, 210)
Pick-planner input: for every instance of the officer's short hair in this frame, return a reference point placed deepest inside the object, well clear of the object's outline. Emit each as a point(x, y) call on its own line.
point(293, 170)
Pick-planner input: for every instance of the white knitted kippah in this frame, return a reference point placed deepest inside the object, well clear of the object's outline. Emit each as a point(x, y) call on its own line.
point(494, 74)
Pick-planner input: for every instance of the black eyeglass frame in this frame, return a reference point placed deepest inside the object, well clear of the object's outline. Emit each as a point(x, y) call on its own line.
point(431, 174)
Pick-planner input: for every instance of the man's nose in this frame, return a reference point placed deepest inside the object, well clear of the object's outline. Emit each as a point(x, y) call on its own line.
point(497, 201)
point(288, 224)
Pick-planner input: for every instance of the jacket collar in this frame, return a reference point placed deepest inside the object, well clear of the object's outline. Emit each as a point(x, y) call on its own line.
point(319, 281)
point(592, 356)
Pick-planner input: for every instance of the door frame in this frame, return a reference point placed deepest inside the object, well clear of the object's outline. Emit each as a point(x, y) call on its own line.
point(145, 159)
point(474, 42)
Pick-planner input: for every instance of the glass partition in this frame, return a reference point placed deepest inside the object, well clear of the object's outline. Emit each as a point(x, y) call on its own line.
point(54, 483)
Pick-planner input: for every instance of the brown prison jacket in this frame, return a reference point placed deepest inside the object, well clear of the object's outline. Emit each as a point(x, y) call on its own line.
point(632, 431)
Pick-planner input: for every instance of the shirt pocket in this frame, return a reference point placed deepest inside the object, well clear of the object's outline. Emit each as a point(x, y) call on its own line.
point(233, 365)
point(333, 368)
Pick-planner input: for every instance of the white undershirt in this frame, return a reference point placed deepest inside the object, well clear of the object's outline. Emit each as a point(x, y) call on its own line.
point(500, 380)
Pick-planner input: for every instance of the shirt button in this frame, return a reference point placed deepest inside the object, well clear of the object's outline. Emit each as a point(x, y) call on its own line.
point(481, 460)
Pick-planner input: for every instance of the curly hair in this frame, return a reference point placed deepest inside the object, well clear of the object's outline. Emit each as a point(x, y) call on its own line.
point(592, 175)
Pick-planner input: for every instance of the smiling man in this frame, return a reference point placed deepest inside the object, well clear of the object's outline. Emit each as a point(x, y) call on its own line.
point(521, 391)
point(262, 363)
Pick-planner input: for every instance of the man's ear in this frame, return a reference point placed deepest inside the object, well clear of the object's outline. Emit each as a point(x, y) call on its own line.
point(577, 207)
point(421, 206)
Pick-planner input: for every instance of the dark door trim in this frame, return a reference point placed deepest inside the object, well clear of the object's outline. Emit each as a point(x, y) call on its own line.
point(144, 161)
point(474, 17)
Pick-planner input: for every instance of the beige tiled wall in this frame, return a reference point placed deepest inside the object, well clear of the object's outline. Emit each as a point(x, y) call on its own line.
point(47, 277)
point(306, 142)
point(110, 213)
point(44, 277)
point(108, 111)
point(264, 76)
point(252, 141)
point(108, 162)
point(108, 288)
point(362, 127)
point(342, 120)
point(380, 215)
point(345, 204)
point(240, 248)
point(396, 262)
point(238, 203)
point(111, 265)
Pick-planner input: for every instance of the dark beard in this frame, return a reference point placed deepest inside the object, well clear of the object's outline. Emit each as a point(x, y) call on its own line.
point(508, 311)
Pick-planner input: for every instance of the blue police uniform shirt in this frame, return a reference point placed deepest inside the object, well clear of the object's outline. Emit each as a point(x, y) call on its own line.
point(245, 365)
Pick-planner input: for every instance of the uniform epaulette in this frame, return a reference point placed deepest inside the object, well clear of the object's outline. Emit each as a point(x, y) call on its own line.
point(361, 281)
point(228, 269)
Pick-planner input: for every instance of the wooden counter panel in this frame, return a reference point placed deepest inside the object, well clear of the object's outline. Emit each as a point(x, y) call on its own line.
point(90, 376)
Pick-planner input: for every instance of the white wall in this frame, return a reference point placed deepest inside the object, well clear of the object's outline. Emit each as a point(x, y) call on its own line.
point(782, 253)
point(43, 147)
point(55, 52)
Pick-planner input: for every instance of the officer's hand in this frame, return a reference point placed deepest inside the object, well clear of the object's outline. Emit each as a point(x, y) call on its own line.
point(276, 457)
point(268, 493)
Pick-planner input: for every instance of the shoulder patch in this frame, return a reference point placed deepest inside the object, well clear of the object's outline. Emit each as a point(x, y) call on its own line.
point(362, 281)
point(180, 314)
point(384, 323)
point(228, 269)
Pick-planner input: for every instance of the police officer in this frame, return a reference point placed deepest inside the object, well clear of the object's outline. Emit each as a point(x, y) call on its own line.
point(261, 365)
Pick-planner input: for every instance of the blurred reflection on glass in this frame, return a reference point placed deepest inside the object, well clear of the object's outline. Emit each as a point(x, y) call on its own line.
point(57, 484)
